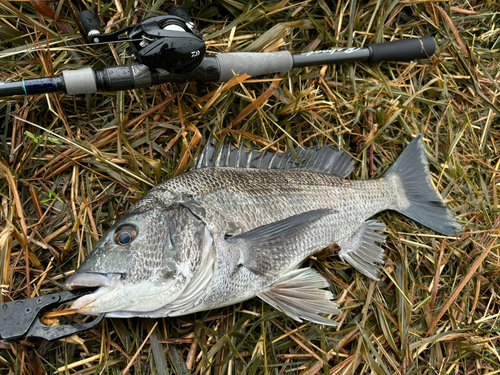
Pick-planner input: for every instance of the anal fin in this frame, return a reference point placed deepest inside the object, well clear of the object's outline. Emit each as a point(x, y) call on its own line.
point(361, 251)
point(299, 295)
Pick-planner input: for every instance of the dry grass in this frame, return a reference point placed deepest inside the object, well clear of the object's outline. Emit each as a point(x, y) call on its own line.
point(435, 310)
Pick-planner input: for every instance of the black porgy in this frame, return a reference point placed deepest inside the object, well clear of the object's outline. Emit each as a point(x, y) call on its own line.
point(239, 224)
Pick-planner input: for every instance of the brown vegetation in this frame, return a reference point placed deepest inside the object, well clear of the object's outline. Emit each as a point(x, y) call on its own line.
point(69, 166)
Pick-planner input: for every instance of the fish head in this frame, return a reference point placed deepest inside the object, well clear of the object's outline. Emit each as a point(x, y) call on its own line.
point(143, 262)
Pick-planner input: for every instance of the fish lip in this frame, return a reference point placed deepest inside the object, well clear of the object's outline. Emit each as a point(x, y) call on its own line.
point(91, 280)
point(101, 283)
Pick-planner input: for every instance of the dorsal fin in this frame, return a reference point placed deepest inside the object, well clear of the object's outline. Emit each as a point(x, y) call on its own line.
point(319, 159)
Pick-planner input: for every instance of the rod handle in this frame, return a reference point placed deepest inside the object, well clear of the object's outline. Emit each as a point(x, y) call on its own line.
point(402, 50)
point(90, 23)
point(253, 63)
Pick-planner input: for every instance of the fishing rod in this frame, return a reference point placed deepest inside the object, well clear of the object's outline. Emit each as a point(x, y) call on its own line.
point(170, 49)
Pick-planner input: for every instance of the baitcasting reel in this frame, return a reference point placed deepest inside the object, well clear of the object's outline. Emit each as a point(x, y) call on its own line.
point(171, 43)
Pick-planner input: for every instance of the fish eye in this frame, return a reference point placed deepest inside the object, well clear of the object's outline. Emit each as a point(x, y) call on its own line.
point(125, 234)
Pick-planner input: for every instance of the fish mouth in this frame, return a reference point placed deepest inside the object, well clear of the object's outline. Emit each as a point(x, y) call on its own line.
point(89, 280)
point(101, 283)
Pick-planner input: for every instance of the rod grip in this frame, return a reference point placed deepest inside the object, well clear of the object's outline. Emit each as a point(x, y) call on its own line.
point(253, 64)
point(90, 23)
point(402, 50)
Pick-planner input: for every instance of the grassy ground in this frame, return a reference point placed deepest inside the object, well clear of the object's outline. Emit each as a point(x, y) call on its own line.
point(435, 310)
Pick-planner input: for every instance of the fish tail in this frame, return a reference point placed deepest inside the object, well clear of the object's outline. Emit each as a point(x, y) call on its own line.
point(421, 202)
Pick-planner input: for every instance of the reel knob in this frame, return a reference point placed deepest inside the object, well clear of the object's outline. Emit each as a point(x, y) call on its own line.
point(90, 23)
point(181, 12)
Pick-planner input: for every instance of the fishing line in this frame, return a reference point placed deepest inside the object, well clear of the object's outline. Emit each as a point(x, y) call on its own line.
point(63, 48)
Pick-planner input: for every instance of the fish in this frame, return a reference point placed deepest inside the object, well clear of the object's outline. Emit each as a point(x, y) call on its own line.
point(240, 223)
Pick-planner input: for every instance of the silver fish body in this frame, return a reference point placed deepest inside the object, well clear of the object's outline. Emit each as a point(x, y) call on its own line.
point(238, 226)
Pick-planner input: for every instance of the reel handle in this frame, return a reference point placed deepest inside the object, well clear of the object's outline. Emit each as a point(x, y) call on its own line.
point(90, 23)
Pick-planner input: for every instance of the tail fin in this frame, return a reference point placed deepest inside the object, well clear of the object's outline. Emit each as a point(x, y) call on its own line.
point(425, 203)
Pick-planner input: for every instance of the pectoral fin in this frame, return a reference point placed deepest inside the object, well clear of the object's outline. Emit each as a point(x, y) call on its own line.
point(271, 232)
point(299, 295)
point(361, 251)
point(262, 248)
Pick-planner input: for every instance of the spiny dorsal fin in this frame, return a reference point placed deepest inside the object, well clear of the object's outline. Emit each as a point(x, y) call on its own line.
point(319, 159)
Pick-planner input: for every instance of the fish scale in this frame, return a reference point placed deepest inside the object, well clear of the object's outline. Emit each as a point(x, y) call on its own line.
point(267, 196)
point(240, 223)
point(258, 197)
